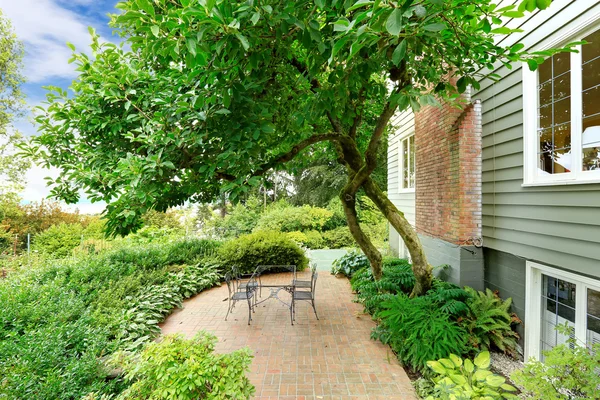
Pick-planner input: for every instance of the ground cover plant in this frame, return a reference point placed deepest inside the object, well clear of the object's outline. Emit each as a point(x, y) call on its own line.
point(181, 369)
point(446, 320)
point(62, 318)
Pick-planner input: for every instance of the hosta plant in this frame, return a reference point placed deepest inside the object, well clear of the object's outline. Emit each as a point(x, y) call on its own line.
point(457, 379)
point(349, 264)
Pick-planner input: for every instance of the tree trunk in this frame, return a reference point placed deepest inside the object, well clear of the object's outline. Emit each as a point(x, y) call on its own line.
point(422, 270)
point(373, 255)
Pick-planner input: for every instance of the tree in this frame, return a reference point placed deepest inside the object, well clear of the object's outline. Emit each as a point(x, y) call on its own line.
point(209, 95)
point(12, 168)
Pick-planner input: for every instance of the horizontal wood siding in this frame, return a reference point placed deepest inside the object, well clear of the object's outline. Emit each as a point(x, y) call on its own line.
point(555, 225)
point(405, 201)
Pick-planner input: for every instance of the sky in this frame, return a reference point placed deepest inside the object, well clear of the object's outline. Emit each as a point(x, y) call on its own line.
point(45, 26)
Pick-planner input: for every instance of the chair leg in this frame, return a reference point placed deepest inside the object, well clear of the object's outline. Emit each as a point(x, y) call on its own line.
point(292, 313)
point(314, 309)
point(228, 308)
point(250, 308)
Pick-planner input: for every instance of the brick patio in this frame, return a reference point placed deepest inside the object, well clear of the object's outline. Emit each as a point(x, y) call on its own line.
point(332, 358)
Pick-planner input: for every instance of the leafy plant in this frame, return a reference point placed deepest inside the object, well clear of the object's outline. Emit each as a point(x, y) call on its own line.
point(449, 297)
point(349, 263)
point(176, 368)
point(289, 219)
point(338, 238)
point(397, 278)
point(261, 248)
point(418, 331)
point(58, 240)
point(489, 323)
point(457, 380)
point(569, 372)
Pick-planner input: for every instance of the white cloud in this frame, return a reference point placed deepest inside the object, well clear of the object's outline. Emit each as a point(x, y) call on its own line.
point(45, 27)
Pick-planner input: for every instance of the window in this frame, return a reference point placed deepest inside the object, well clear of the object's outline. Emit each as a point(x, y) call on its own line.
point(407, 163)
point(556, 297)
point(561, 108)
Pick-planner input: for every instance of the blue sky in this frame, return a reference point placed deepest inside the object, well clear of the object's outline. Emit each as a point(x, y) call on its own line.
point(45, 26)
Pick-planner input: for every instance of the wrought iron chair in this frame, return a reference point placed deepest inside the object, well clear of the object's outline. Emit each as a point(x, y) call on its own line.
point(306, 284)
point(303, 295)
point(236, 294)
point(243, 279)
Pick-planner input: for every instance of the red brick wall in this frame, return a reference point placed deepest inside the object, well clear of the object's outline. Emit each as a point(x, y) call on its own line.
point(448, 172)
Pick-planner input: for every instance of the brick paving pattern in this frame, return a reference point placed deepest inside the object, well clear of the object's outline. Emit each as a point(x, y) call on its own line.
point(332, 358)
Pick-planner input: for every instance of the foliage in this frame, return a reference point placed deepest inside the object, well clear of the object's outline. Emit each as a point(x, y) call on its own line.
point(397, 278)
point(468, 380)
point(167, 219)
point(176, 368)
point(261, 248)
point(58, 240)
point(242, 219)
point(489, 323)
point(569, 371)
point(418, 330)
point(139, 323)
point(60, 317)
point(338, 238)
point(349, 263)
point(12, 100)
point(290, 219)
point(450, 298)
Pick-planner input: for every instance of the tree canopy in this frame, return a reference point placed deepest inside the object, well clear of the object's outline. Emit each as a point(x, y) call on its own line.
point(12, 101)
point(205, 96)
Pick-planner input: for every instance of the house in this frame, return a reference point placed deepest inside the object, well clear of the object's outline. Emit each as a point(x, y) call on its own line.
point(507, 190)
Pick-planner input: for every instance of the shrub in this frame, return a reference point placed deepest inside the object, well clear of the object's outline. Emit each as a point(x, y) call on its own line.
point(261, 248)
point(338, 238)
point(241, 220)
point(489, 323)
point(569, 371)
point(314, 239)
point(468, 380)
point(285, 218)
point(183, 369)
point(418, 331)
point(349, 263)
point(58, 240)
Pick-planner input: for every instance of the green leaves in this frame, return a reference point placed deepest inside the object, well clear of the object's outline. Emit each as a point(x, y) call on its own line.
point(435, 27)
point(394, 22)
point(482, 360)
point(399, 52)
point(155, 30)
point(146, 6)
point(243, 40)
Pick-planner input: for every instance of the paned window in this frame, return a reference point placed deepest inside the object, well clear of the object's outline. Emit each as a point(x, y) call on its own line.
point(556, 297)
point(561, 108)
point(407, 163)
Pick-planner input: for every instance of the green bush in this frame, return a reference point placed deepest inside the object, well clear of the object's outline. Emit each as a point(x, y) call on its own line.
point(456, 379)
point(489, 322)
point(176, 368)
point(60, 318)
point(314, 240)
point(261, 248)
point(338, 238)
point(418, 330)
point(58, 240)
point(285, 218)
point(569, 371)
point(241, 220)
point(349, 263)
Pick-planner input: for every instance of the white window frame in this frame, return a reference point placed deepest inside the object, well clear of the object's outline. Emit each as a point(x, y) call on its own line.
point(401, 139)
point(531, 177)
point(533, 305)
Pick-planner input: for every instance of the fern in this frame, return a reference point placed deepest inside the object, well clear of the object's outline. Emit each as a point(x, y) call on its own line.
point(489, 322)
point(418, 330)
point(450, 298)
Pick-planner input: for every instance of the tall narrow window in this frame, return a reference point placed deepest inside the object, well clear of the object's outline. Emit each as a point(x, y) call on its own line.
point(558, 307)
point(590, 72)
point(407, 162)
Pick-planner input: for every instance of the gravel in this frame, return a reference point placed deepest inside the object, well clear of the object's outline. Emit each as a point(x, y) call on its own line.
point(504, 364)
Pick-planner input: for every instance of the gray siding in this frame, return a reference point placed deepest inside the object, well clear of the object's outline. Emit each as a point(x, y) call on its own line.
point(555, 225)
point(506, 273)
point(402, 123)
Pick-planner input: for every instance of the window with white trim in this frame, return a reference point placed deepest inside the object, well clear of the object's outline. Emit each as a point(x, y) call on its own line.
point(561, 108)
point(556, 297)
point(406, 157)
